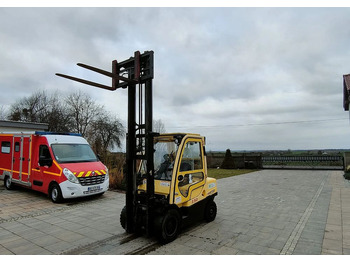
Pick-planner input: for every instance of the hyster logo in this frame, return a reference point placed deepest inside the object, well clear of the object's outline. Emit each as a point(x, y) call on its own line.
point(194, 200)
point(211, 192)
point(177, 200)
point(165, 184)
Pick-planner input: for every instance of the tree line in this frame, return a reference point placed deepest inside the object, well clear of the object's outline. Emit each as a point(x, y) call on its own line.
point(76, 112)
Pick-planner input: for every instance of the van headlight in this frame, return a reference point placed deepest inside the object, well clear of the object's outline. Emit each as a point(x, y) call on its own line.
point(70, 176)
point(107, 174)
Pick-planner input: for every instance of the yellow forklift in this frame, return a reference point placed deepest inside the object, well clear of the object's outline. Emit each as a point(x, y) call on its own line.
point(166, 176)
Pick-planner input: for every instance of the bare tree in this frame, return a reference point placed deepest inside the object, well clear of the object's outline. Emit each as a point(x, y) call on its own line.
point(3, 112)
point(31, 109)
point(78, 113)
point(58, 117)
point(82, 110)
point(41, 108)
point(106, 133)
point(158, 126)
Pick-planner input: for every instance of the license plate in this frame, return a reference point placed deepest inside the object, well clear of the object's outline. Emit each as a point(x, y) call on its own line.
point(93, 189)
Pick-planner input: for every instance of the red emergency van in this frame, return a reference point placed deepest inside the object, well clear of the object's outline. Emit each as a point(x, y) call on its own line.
point(60, 165)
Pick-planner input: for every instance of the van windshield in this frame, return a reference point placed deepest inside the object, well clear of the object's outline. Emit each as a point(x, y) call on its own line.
point(73, 153)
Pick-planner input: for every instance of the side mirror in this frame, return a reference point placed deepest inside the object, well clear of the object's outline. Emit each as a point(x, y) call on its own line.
point(180, 178)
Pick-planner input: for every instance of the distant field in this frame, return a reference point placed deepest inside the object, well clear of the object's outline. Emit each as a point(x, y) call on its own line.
point(222, 173)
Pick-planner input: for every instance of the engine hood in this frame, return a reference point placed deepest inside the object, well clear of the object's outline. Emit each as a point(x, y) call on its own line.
point(86, 169)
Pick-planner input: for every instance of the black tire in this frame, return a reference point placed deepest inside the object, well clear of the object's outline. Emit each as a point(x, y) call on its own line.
point(8, 183)
point(123, 217)
point(168, 226)
point(210, 211)
point(55, 193)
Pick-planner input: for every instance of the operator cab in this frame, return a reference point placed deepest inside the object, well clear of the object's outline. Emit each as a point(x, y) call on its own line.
point(179, 167)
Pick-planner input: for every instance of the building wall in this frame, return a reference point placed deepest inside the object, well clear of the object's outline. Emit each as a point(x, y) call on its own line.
point(13, 126)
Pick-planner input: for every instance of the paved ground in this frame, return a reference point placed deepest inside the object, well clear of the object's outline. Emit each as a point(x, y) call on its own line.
point(265, 212)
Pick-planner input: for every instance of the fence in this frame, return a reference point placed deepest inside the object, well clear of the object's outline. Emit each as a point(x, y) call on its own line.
point(304, 162)
point(249, 161)
point(241, 161)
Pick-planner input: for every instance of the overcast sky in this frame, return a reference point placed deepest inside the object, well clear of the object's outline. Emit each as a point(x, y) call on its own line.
point(246, 78)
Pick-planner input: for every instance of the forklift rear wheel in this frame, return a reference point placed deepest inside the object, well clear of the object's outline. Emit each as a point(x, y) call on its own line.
point(210, 211)
point(55, 193)
point(168, 226)
point(8, 183)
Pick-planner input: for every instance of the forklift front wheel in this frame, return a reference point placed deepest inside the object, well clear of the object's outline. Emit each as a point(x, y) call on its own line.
point(210, 211)
point(168, 226)
point(123, 217)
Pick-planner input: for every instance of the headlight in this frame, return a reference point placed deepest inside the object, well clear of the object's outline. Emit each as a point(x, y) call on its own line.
point(107, 174)
point(70, 176)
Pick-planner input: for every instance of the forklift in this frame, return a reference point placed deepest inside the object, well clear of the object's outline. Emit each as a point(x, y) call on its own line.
point(167, 185)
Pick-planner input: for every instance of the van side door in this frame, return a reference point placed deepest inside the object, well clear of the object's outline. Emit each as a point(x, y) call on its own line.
point(42, 163)
point(21, 157)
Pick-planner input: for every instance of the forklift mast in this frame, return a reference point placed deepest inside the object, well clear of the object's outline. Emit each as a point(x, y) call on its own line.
point(135, 74)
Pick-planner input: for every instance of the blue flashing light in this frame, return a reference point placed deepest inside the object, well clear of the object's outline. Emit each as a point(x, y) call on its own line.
point(41, 133)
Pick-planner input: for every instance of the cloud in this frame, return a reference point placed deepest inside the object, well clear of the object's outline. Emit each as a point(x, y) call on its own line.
point(213, 66)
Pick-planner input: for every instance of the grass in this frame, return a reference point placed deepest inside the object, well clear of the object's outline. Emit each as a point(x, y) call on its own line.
point(222, 173)
point(116, 175)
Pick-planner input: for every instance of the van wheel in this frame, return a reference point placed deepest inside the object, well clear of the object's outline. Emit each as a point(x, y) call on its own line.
point(55, 193)
point(210, 211)
point(168, 226)
point(8, 183)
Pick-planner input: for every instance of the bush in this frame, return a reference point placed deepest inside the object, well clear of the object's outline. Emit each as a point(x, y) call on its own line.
point(228, 162)
point(116, 179)
point(347, 175)
point(115, 163)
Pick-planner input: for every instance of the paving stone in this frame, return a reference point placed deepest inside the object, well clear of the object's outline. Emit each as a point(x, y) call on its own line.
point(266, 242)
point(28, 249)
point(307, 248)
point(45, 241)
point(330, 252)
point(225, 251)
point(332, 244)
point(15, 244)
point(9, 238)
point(59, 247)
point(5, 251)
